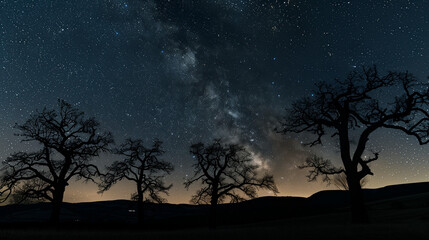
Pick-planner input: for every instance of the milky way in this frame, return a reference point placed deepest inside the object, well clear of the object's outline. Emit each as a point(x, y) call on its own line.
point(189, 71)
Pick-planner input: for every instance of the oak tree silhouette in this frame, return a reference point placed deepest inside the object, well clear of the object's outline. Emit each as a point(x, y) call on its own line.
point(340, 180)
point(356, 107)
point(226, 173)
point(319, 166)
point(142, 166)
point(67, 143)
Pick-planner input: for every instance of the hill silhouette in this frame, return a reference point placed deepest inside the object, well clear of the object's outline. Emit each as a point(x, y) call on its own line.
point(118, 213)
point(337, 198)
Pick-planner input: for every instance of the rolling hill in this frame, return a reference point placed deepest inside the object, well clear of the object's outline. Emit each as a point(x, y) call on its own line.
point(412, 199)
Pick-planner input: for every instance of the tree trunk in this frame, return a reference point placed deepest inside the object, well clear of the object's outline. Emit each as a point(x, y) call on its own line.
point(357, 202)
point(140, 209)
point(358, 209)
point(213, 212)
point(56, 204)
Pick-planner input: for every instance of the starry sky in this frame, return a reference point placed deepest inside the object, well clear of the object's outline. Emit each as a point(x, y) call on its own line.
point(186, 71)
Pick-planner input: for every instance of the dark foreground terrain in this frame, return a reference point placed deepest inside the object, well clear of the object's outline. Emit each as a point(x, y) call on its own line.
point(280, 230)
point(396, 212)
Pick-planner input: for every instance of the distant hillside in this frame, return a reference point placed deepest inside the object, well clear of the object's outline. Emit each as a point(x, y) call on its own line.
point(339, 198)
point(184, 215)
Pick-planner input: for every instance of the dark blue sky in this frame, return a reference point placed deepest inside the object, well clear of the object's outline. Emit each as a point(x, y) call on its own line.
point(188, 71)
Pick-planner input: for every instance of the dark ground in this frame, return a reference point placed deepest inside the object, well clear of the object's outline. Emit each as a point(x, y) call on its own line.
point(396, 212)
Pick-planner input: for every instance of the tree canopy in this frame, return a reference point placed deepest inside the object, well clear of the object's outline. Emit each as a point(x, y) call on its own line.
point(226, 172)
point(356, 107)
point(142, 166)
point(66, 143)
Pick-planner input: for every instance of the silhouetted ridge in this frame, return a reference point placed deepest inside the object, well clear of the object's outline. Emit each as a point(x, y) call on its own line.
point(332, 198)
point(124, 212)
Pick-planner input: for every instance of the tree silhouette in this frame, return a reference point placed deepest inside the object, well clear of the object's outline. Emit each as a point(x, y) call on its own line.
point(319, 166)
point(67, 142)
point(21, 193)
point(340, 180)
point(142, 166)
point(226, 172)
point(355, 108)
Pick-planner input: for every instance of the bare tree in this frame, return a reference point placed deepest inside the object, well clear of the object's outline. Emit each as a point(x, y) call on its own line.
point(67, 143)
point(23, 193)
point(142, 166)
point(355, 108)
point(340, 180)
point(226, 172)
point(319, 166)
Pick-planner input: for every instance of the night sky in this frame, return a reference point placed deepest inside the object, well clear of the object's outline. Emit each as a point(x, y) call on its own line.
point(186, 71)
